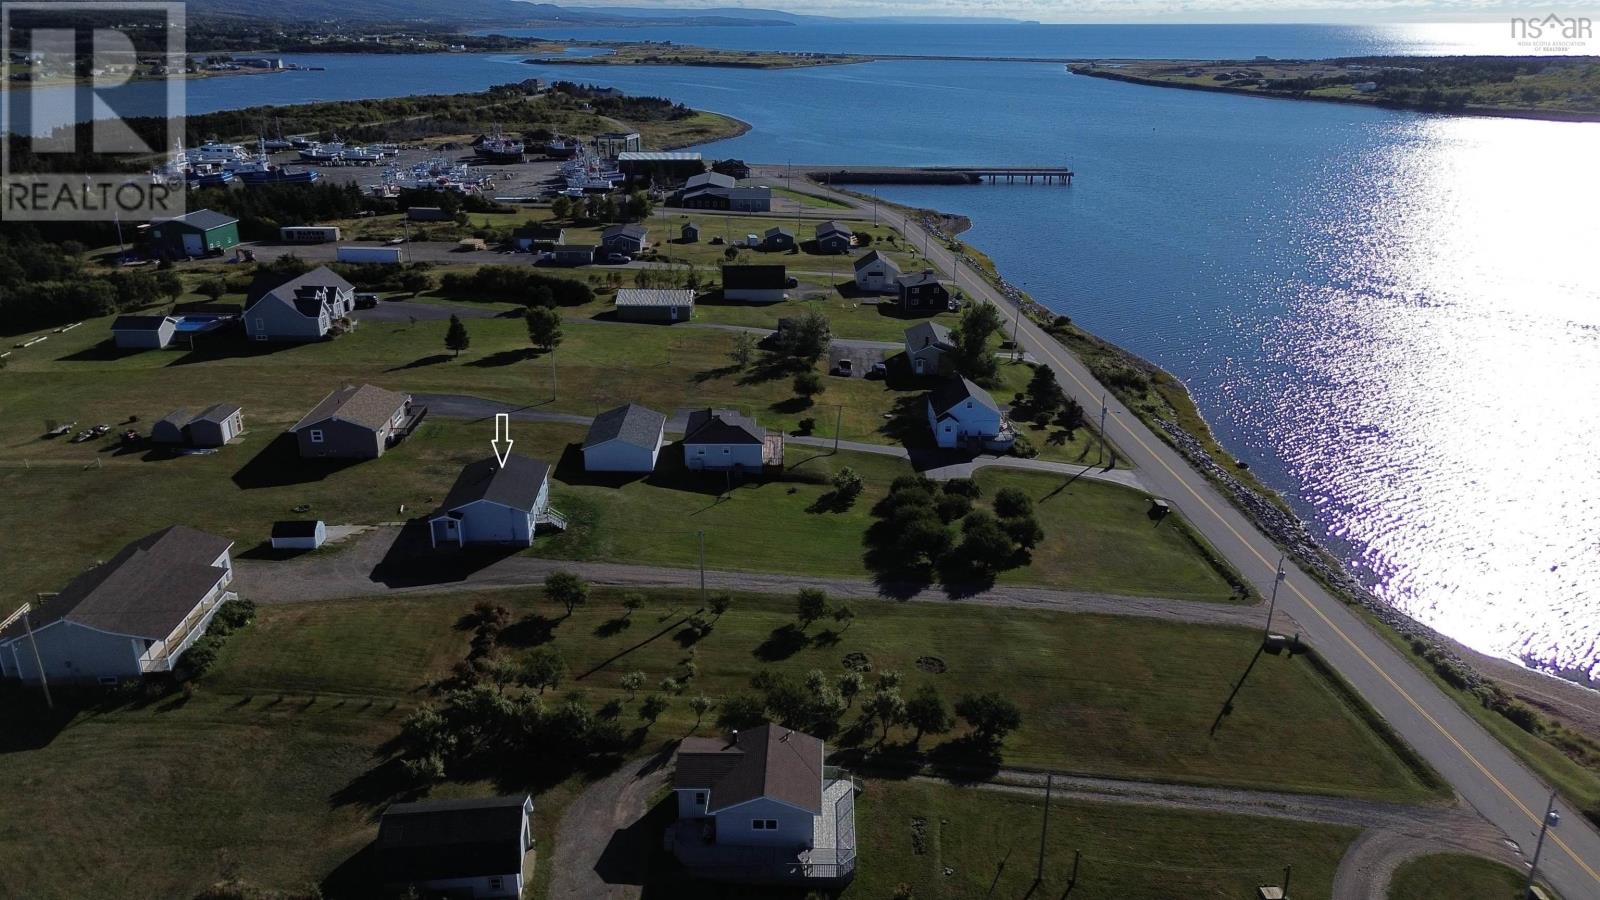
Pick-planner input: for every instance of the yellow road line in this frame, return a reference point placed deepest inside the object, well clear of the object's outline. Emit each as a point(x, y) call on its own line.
point(1051, 352)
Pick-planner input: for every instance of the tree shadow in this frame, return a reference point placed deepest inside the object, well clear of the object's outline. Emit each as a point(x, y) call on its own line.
point(962, 577)
point(504, 358)
point(278, 464)
point(531, 630)
point(965, 760)
point(907, 422)
point(790, 406)
point(422, 362)
point(705, 375)
point(613, 627)
point(783, 642)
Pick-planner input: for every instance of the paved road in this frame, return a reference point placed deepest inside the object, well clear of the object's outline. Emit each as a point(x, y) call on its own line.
point(935, 463)
point(1475, 763)
point(359, 571)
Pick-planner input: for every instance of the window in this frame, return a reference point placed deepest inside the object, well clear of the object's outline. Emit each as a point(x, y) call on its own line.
point(764, 824)
point(725, 450)
point(316, 436)
point(700, 799)
point(494, 883)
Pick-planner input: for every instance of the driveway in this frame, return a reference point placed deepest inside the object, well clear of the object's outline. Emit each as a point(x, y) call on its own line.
point(602, 844)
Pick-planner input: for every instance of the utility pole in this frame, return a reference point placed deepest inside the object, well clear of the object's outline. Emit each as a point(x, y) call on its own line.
point(838, 423)
point(1104, 449)
point(554, 387)
point(1551, 818)
point(44, 681)
point(1273, 603)
point(1044, 827)
point(702, 568)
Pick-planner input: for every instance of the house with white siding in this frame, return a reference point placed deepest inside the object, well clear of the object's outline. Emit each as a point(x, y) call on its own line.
point(727, 440)
point(470, 848)
point(495, 505)
point(625, 439)
point(927, 347)
point(755, 284)
point(131, 616)
point(963, 415)
point(876, 274)
point(760, 806)
point(302, 308)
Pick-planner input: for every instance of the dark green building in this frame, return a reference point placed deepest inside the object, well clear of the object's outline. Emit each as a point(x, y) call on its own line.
point(200, 233)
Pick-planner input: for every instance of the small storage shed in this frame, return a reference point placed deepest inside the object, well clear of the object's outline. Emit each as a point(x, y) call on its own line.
point(169, 429)
point(299, 534)
point(691, 233)
point(654, 305)
point(625, 439)
point(216, 425)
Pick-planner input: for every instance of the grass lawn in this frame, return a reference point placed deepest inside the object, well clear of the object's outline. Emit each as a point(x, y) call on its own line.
point(811, 200)
point(1455, 876)
point(990, 840)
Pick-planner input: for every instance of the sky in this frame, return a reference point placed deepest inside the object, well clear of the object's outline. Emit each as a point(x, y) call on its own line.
point(1175, 11)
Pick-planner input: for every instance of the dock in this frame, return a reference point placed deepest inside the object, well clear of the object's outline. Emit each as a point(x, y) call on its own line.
point(944, 175)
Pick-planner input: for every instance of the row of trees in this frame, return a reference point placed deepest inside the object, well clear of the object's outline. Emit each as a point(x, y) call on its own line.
point(635, 207)
point(517, 284)
point(913, 531)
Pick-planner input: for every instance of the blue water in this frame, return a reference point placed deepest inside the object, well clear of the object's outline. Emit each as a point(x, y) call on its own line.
point(1367, 305)
point(1056, 41)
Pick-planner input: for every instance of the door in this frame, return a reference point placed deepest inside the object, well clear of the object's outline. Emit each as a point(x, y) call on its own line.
point(446, 531)
point(194, 244)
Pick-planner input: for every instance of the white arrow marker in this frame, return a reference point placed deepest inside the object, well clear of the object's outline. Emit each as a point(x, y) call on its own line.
point(502, 429)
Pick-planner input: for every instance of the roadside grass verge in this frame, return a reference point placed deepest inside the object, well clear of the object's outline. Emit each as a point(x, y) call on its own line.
point(1455, 876)
point(958, 842)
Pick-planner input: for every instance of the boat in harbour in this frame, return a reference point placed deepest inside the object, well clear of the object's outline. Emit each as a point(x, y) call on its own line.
point(261, 171)
point(497, 147)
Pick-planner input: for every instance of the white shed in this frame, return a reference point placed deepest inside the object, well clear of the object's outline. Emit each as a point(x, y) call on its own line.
point(303, 534)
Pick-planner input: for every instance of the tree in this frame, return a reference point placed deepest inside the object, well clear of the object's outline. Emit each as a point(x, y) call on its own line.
point(640, 206)
point(456, 337)
point(213, 288)
point(169, 285)
point(1010, 502)
point(887, 708)
point(632, 682)
point(741, 711)
point(810, 605)
point(990, 715)
point(808, 384)
point(744, 347)
point(979, 323)
point(414, 282)
point(652, 708)
point(984, 544)
point(543, 669)
point(632, 602)
point(720, 604)
point(544, 327)
point(1024, 531)
point(1043, 396)
point(850, 684)
point(700, 704)
point(566, 589)
point(1070, 417)
point(807, 340)
point(845, 617)
point(848, 484)
point(926, 712)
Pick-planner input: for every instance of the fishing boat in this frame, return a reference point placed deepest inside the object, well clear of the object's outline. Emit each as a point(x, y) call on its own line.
point(213, 152)
point(361, 155)
point(260, 171)
point(208, 174)
point(323, 153)
point(497, 147)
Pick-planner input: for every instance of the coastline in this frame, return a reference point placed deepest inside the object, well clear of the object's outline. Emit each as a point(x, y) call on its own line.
point(1081, 68)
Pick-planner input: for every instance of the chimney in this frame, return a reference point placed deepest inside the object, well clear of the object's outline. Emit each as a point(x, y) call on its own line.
point(733, 739)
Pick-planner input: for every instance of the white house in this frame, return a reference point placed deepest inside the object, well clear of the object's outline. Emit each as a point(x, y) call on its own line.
point(876, 274)
point(724, 439)
point(134, 615)
point(472, 848)
point(302, 308)
point(761, 806)
point(491, 504)
point(625, 439)
point(755, 284)
point(962, 414)
point(305, 534)
point(926, 346)
point(143, 332)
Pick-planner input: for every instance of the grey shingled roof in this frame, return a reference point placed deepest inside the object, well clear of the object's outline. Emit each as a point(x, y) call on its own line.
point(831, 227)
point(925, 334)
point(295, 528)
point(766, 761)
point(754, 277)
point(217, 412)
point(873, 256)
point(654, 297)
point(289, 288)
point(952, 392)
point(516, 485)
point(631, 230)
point(722, 426)
point(145, 591)
point(443, 839)
point(632, 424)
point(711, 179)
point(366, 405)
point(138, 323)
point(776, 230)
point(916, 279)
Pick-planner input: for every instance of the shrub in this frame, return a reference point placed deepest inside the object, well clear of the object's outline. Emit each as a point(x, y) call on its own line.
point(965, 487)
point(1010, 502)
point(953, 506)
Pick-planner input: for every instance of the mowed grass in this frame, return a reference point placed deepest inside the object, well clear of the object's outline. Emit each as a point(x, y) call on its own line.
point(1123, 697)
point(1455, 876)
point(985, 843)
point(1097, 536)
point(261, 771)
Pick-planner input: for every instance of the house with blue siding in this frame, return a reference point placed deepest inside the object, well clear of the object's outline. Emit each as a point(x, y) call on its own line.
point(495, 505)
point(134, 615)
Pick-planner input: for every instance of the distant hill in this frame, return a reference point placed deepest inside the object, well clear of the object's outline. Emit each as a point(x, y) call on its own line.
point(776, 16)
point(466, 12)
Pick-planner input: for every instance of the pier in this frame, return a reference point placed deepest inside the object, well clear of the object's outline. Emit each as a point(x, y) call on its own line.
point(944, 175)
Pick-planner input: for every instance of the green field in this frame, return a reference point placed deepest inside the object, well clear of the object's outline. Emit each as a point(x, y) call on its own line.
point(1455, 876)
point(260, 772)
point(990, 842)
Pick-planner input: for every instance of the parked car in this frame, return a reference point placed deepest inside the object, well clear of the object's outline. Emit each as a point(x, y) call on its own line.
point(878, 370)
point(845, 368)
point(617, 259)
point(366, 301)
point(792, 282)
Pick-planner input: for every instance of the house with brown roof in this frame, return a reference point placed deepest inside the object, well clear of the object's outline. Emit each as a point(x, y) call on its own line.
point(356, 423)
point(759, 806)
point(131, 616)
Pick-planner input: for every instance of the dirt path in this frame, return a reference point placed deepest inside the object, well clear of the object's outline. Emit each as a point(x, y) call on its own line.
point(600, 847)
point(359, 570)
